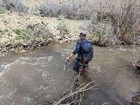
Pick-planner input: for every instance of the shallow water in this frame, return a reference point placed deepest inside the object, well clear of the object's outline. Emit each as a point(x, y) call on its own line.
point(38, 76)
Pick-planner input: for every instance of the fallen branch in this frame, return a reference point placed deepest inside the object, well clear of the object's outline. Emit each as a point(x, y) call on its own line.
point(135, 64)
point(83, 88)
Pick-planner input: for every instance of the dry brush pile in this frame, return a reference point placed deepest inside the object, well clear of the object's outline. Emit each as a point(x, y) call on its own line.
point(76, 97)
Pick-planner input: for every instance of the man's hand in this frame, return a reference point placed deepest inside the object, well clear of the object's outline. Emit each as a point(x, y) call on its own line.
point(68, 58)
point(71, 55)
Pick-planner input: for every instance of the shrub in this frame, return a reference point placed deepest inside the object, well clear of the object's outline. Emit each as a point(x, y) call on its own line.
point(14, 5)
point(62, 26)
point(72, 9)
point(125, 19)
point(101, 32)
point(127, 22)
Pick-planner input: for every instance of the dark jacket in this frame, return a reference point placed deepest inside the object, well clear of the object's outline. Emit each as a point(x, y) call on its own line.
point(80, 53)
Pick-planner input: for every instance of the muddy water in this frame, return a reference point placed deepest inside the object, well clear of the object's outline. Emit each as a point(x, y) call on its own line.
point(39, 77)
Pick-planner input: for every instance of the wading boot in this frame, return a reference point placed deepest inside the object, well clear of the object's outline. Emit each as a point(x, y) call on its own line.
point(85, 69)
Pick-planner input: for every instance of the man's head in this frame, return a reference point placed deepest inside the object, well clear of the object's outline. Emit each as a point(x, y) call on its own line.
point(82, 36)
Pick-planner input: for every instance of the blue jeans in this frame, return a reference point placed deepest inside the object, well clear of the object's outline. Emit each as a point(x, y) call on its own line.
point(78, 63)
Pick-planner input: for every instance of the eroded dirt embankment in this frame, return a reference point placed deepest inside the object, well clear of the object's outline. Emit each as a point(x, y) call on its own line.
point(20, 32)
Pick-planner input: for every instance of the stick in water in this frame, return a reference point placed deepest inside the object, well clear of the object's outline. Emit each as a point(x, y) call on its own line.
point(65, 65)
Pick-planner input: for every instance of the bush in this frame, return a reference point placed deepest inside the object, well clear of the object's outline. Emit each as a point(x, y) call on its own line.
point(14, 5)
point(127, 22)
point(62, 26)
point(125, 19)
point(72, 9)
point(101, 32)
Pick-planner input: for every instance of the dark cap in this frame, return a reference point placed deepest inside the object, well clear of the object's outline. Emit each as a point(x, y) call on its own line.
point(82, 34)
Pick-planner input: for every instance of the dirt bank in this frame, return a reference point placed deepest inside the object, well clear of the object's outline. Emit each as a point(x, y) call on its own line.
point(20, 32)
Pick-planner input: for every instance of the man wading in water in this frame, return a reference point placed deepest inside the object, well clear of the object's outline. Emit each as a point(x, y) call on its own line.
point(84, 51)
